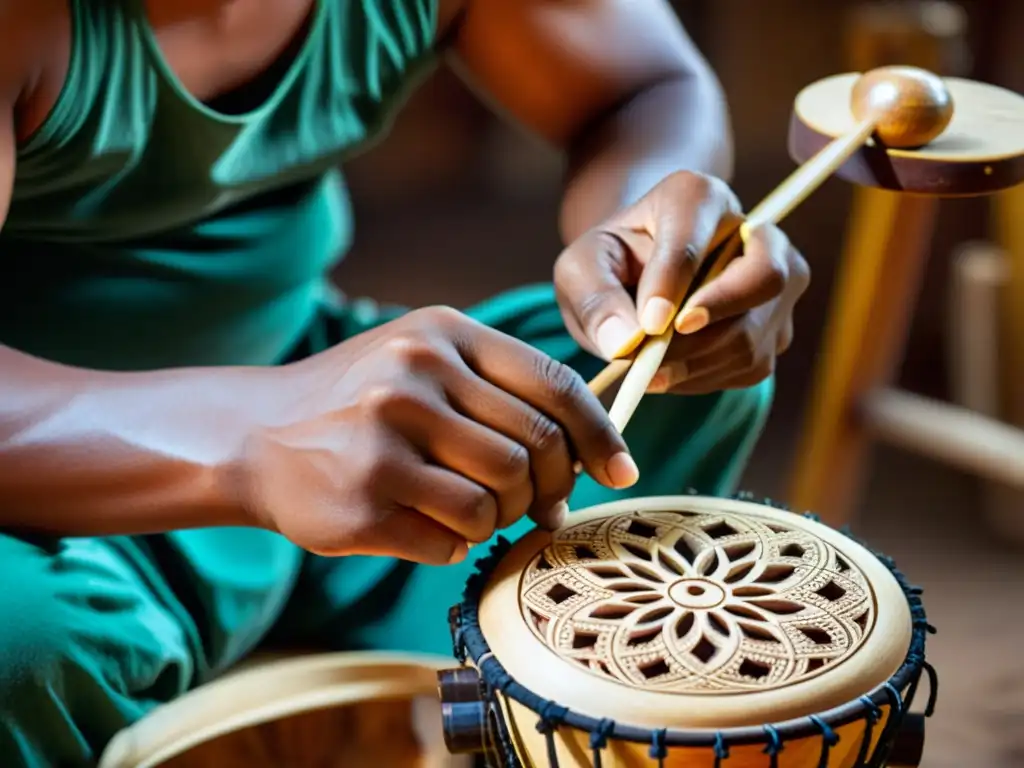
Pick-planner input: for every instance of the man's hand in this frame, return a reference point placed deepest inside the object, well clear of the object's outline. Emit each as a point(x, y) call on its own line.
point(423, 436)
point(731, 330)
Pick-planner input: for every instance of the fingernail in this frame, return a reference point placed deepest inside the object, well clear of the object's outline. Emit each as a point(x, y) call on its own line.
point(622, 470)
point(555, 517)
point(459, 554)
point(692, 320)
point(657, 315)
point(615, 337)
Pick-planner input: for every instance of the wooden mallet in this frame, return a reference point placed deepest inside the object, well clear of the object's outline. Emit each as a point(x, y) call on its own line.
point(899, 107)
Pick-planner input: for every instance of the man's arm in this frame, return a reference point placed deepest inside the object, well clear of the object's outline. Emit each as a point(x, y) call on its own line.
point(86, 452)
point(93, 453)
point(617, 84)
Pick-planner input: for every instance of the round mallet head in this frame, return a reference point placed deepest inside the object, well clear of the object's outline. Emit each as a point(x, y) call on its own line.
point(951, 137)
point(911, 106)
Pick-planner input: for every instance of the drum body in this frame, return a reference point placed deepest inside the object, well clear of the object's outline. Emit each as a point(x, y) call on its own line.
point(687, 631)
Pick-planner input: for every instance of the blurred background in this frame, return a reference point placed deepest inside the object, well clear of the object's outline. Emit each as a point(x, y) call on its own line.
point(454, 206)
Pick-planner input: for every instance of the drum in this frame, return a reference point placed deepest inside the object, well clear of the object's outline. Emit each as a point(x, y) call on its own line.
point(351, 709)
point(687, 631)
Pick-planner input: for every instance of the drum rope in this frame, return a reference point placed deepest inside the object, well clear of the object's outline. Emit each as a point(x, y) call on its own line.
point(470, 643)
point(658, 750)
point(933, 688)
point(897, 707)
point(874, 712)
point(774, 746)
point(721, 750)
point(599, 739)
point(829, 738)
point(551, 716)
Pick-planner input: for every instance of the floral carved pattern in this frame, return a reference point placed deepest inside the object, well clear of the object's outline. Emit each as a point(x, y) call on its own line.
point(696, 602)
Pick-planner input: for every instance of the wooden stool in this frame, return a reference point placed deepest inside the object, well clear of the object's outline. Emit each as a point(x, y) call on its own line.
point(876, 289)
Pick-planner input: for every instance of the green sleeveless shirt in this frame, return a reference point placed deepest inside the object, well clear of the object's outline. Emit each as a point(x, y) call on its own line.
point(148, 230)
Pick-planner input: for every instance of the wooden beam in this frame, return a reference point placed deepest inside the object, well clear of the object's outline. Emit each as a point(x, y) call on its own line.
point(947, 433)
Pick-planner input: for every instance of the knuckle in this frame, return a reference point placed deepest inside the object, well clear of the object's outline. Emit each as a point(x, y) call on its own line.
point(563, 384)
point(543, 435)
point(409, 347)
point(575, 265)
point(412, 351)
point(515, 464)
point(591, 309)
point(613, 248)
point(441, 316)
point(375, 399)
point(382, 401)
point(691, 181)
point(478, 511)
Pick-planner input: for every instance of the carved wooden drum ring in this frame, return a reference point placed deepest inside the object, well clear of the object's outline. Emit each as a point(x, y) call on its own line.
point(687, 631)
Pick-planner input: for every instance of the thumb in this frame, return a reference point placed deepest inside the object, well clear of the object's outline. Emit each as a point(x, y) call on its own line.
point(592, 278)
point(689, 221)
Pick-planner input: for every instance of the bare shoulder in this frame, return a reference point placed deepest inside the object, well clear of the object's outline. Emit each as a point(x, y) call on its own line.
point(556, 66)
point(35, 45)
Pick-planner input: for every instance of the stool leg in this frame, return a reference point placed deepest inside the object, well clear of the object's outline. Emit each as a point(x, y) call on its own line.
point(879, 277)
point(1008, 214)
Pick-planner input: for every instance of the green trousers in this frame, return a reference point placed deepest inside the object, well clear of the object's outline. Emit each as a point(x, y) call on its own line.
point(94, 632)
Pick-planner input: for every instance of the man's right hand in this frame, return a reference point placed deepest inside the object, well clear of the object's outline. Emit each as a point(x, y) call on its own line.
point(421, 437)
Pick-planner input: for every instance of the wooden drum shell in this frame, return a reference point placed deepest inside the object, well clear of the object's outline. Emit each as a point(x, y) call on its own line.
point(574, 750)
point(806, 710)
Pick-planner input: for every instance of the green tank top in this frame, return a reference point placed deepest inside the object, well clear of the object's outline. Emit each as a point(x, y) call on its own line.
point(148, 230)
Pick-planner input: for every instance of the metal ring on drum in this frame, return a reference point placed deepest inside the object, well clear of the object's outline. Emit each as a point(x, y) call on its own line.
point(687, 631)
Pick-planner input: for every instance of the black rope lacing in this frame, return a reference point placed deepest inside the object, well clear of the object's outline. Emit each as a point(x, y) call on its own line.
point(829, 738)
point(773, 747)
point(599, 739)
point(551, 716)
point(469, 642)
point(721, 750)
point(658, 750)
point(874, 712)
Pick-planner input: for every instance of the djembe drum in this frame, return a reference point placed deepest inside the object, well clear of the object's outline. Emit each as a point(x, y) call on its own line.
point(687, 631)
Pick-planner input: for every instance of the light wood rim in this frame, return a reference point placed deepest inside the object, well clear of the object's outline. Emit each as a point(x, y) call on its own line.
point(541, 671)
point(265, 691)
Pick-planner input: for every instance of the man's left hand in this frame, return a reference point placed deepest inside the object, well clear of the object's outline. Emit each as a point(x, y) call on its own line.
point(730, 331)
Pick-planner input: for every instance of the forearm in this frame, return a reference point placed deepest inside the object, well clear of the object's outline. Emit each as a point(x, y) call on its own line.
point(92, 453)
point(678, 124)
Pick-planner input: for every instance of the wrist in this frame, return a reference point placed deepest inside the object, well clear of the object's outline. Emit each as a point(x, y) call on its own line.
point(86, 453)
point(202, 422)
